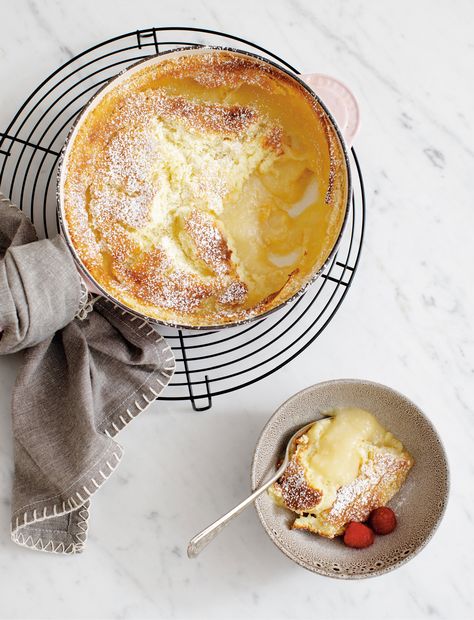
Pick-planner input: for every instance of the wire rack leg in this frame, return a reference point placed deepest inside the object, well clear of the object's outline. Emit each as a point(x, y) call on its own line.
point(192, 397)
point(27, 170)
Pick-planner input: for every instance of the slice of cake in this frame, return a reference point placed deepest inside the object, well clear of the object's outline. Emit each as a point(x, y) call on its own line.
point(346, 465)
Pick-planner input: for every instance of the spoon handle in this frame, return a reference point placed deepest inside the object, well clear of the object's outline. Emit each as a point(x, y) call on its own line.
point(201, 540)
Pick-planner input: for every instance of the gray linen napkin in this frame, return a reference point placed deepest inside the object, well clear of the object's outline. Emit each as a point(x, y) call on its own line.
point(80, 383)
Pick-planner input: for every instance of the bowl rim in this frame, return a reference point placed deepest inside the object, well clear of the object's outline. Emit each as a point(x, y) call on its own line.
point(95, 99)
point(382, 570)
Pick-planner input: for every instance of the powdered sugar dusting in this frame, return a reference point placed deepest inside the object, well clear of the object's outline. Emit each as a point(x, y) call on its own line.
point(355, 501)
point(235, 293)
point(209, 242)
point(152, 164)
point(296, 492)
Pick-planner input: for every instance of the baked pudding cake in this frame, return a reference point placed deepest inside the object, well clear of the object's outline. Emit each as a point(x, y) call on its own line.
point(204, 188)
point(343, 467)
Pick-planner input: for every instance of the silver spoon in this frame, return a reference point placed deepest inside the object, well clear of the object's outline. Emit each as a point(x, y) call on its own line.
point(201, 540)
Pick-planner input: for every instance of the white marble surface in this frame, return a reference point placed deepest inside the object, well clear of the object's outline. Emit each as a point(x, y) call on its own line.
point(406, 322)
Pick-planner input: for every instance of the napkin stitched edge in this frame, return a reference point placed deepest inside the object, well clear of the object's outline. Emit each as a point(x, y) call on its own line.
point(75, 504)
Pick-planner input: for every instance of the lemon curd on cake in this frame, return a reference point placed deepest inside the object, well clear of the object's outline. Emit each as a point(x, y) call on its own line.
point(343, 467)
point(204, 188)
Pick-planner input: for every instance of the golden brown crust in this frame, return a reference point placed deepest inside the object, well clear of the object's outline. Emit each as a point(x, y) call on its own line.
point(274, 140)
point(297, 494)
point(208, 241)
point(225, 68)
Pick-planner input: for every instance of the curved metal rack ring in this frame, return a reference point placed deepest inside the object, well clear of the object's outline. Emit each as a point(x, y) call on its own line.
point(209, 363)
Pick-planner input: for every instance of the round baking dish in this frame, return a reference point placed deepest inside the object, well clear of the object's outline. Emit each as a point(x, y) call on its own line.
point(113, 83)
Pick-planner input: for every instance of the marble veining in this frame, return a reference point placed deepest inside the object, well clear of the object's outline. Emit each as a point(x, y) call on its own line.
point(407, 322)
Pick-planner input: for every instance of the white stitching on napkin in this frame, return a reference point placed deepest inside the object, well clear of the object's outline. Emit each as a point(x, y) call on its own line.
point(81, 536)
point(86, 304)
point(9, 203)
point(72, 504)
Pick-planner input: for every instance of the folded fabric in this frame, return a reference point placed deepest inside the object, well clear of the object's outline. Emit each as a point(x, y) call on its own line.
point(83, 379)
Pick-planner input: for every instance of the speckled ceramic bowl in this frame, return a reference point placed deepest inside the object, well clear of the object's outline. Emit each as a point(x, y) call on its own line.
point(419, 505)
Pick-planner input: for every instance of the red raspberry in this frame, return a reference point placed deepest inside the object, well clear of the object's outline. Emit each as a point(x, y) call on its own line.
point(383, 520)
point(358, 535)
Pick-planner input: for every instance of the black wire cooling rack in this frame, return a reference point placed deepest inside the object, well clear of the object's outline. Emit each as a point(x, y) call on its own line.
point(209, 363)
